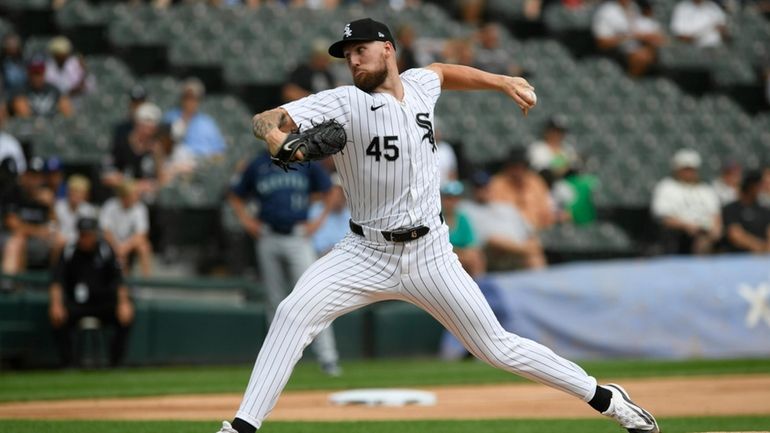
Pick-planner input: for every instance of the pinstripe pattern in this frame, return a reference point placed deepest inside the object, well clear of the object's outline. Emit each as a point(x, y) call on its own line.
point(385, 195)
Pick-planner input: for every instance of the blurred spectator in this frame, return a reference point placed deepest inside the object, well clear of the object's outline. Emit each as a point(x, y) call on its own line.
point(137, 156)
point(311, 77)
point(447, 160)
point(508, 238)
point(552, 156)
point(700, 22)
point(38, 98)
point(646, 23)
point(10, 147)
point(176, 159)
point(336, 220)
point(12, 68)
point(67, 71)
point(137, 96)
point(458, 51)
point(197, 131)
point(75, 206)
point(519, 186)
point(746, 222)
point(126, 224)
point(405, 41)
point(28, 221)
point(461, 233)
point(729, 181)
point(616, 33)
point(687, 208)
point(575, 194)
point(88, 282)
point(490, 56)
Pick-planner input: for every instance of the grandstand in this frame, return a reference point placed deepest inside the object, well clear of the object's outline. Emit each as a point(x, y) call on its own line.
point(626, 128)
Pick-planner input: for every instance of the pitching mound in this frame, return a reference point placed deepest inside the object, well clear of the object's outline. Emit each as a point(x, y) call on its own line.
point(691, 396)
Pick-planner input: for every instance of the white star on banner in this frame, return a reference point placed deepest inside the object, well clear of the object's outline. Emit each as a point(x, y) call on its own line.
point(759, 303)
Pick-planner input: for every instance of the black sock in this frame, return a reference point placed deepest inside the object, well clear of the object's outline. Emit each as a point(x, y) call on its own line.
point(242, 426)
point(601, 400)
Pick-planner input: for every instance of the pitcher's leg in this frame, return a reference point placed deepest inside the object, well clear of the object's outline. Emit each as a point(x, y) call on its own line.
point(337, 283)
point(447, 292)
point(300, 255)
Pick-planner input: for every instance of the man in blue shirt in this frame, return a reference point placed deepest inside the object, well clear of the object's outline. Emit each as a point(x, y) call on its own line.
point(282, 232)
point(198, 132)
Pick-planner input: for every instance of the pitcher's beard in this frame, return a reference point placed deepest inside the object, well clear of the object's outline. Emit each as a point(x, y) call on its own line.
point(370, 81)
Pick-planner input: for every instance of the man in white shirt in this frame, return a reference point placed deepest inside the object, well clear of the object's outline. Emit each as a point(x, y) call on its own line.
point(687, 209)
point(700, 22)
point(616, 30)
point(67, 71)
point(126, 224)
point(552, 154)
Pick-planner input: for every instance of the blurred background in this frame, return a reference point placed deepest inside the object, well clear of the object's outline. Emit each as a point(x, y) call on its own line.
point(625, 216)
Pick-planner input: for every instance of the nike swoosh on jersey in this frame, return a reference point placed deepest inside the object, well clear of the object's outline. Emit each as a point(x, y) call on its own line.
point(373, 108)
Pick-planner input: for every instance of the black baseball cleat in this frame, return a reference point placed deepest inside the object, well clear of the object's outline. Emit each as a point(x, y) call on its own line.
point(627, 413)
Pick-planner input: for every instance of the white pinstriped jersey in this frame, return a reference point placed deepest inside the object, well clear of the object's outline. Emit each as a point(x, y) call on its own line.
point(389, 167)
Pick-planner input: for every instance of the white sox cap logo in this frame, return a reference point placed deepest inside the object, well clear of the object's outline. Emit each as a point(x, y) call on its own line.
point(347, 32)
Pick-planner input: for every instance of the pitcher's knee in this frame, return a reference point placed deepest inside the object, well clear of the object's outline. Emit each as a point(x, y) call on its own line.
point(288, 311)
point(498, 351)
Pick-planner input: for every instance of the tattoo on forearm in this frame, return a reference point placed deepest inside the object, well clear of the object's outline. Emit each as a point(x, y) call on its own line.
point(267, 121)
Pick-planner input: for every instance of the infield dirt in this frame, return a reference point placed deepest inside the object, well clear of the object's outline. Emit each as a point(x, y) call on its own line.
point(686, 396)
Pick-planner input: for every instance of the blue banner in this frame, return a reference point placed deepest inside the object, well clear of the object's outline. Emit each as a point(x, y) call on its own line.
point(672, 307)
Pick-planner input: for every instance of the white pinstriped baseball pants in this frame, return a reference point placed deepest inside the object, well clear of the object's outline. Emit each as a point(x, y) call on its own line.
point(424, 272)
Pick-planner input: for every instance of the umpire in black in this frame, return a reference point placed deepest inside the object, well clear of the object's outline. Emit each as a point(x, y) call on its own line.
point(88, 282)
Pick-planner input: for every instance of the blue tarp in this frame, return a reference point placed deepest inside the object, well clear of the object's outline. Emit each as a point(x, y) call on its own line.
point(672, 307)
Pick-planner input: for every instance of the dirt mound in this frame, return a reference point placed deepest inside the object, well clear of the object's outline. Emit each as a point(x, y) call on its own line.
point(691, 396)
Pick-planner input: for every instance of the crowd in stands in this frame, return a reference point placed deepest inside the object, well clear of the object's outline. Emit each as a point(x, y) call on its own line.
point(40, 208)
point(496, 216)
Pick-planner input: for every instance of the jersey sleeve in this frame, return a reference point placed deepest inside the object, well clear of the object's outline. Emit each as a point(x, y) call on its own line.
point(426, 80)
point(315, 108)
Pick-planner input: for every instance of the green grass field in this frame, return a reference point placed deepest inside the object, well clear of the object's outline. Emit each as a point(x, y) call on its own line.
point(42, 385)
point(16, 386)
point(671, 425)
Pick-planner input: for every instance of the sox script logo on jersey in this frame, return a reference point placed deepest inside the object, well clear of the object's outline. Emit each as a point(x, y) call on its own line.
point(390, 171)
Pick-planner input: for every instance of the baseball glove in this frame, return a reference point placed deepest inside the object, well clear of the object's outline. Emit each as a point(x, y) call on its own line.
point(318, 142)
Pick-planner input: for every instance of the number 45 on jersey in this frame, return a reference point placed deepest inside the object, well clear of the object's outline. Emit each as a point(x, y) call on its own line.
point(389, 149)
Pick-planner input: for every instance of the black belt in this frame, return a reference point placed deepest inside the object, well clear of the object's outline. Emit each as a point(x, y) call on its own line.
point(401, 235)
point(282, 230)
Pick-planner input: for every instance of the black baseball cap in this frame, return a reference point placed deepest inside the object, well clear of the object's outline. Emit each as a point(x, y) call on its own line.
point(365, 29)
point(88, 224)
